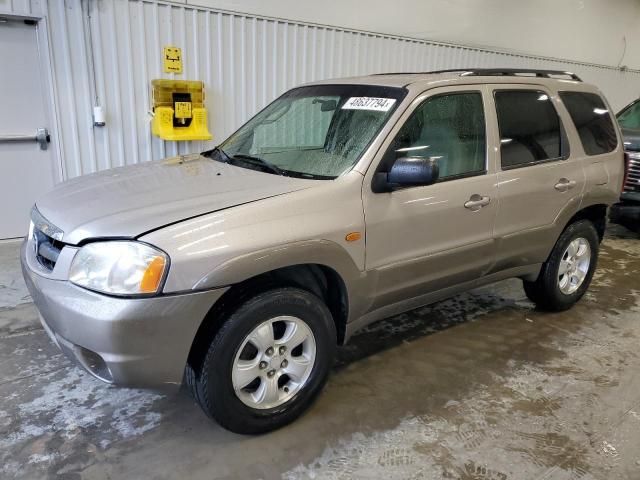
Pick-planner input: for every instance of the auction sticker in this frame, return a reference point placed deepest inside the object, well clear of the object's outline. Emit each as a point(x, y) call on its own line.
point(369, 103)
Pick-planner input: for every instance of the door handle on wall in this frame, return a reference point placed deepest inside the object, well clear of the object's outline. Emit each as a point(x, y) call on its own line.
point(476, 202)
point(564, 184)
point(42, 137)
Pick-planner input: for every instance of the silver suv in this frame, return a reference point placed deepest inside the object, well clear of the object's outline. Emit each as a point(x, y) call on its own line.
point(241, 269)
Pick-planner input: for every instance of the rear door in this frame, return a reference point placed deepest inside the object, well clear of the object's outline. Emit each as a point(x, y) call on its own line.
point(539, 178)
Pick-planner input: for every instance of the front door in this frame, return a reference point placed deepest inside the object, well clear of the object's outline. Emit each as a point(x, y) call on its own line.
point(427, 238)
point(26, 160)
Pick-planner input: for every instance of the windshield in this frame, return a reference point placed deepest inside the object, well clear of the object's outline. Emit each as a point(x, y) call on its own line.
point(630, 116)
point(313, 132)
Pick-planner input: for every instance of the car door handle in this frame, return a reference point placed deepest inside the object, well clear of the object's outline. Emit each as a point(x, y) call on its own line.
point(564, 184)
point(476, 202)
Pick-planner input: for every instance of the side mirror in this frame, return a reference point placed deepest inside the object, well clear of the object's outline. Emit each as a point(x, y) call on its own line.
point(406, 172)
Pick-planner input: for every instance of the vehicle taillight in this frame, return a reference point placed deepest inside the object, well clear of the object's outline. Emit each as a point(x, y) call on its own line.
point(627, 160)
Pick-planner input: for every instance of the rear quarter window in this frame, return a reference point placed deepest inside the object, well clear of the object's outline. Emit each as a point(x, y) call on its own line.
point(592, 120)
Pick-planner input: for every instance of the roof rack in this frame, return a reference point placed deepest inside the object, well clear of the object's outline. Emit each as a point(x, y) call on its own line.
point(510, 72)
point(503, 71)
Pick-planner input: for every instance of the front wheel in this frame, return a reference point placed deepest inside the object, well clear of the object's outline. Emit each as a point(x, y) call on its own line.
point(267, 363)
point(567, 273)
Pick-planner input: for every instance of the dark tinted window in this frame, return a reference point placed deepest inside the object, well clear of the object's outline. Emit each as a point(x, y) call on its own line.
point(529, 127)
point(592, 120)
point(630, 116)
point(449, 129)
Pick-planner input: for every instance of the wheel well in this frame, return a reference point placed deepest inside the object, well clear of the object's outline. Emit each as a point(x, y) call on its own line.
point(597, 214)
point(320, 280)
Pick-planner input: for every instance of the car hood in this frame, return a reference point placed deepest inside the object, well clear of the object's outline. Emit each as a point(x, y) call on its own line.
point(631, 138)
point(128, 201)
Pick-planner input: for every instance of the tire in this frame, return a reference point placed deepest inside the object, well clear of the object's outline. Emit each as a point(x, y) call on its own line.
point(211, 381)
point(546, 292)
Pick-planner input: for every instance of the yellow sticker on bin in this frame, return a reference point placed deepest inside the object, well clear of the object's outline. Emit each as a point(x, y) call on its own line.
point(182, 110)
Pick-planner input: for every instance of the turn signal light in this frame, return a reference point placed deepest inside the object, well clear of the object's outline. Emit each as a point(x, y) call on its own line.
point(152, 275)
point(353, 237)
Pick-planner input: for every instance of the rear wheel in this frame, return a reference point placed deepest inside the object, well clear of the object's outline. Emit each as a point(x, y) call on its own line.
point(267, 363)
point(566, 275)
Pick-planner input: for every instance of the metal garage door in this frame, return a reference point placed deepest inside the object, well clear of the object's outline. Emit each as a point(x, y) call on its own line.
point(25, 156)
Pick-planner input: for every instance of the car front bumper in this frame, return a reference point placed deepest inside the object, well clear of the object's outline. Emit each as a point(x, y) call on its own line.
point(139, 342)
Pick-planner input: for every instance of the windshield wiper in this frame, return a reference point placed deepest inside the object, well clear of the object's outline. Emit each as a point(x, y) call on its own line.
point(223, 156)
point(260, 162)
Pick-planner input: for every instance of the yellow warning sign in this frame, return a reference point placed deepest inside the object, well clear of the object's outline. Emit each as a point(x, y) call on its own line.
point(172, 59)
point(182, 109)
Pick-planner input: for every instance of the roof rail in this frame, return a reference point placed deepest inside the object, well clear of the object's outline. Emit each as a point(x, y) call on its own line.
point(499, 72)
point(510, 72)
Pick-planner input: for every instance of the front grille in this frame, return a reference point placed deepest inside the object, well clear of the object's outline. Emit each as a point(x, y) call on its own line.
point(46, 239)
point(47, 249)
point(632, 183)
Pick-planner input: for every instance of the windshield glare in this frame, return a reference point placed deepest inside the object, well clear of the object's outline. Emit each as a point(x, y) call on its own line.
point(317, 131)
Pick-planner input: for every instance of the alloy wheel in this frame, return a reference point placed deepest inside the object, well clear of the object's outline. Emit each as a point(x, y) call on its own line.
point(274, 362)
point(574, 265)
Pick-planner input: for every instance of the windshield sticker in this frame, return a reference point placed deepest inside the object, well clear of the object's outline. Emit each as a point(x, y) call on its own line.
point(369, 103)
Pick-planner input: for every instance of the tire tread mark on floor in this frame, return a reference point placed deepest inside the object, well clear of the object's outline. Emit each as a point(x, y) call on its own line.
point(598, 439)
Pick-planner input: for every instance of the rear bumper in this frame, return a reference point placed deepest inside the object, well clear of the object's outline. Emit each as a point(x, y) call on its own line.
point(141, 342)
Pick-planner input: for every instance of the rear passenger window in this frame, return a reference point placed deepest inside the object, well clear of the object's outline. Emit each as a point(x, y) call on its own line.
point(529, 126)
point(592, 120)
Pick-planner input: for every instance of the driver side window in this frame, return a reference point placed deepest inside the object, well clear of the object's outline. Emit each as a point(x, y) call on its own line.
point(450, 130)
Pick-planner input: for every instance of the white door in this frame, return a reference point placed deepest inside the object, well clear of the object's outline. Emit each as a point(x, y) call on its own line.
point(26, 164)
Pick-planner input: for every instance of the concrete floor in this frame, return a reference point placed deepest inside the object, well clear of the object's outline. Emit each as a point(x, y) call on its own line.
point(481, 386)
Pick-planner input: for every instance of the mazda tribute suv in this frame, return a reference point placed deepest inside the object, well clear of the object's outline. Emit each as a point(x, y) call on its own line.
point(240, 270)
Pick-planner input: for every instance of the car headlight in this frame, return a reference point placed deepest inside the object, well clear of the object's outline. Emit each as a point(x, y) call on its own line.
point(119, 268)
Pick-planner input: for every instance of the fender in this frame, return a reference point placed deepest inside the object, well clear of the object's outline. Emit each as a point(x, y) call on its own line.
point(320, 252)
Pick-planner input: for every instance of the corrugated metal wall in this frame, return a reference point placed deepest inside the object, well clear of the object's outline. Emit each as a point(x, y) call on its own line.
point(245, 62)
